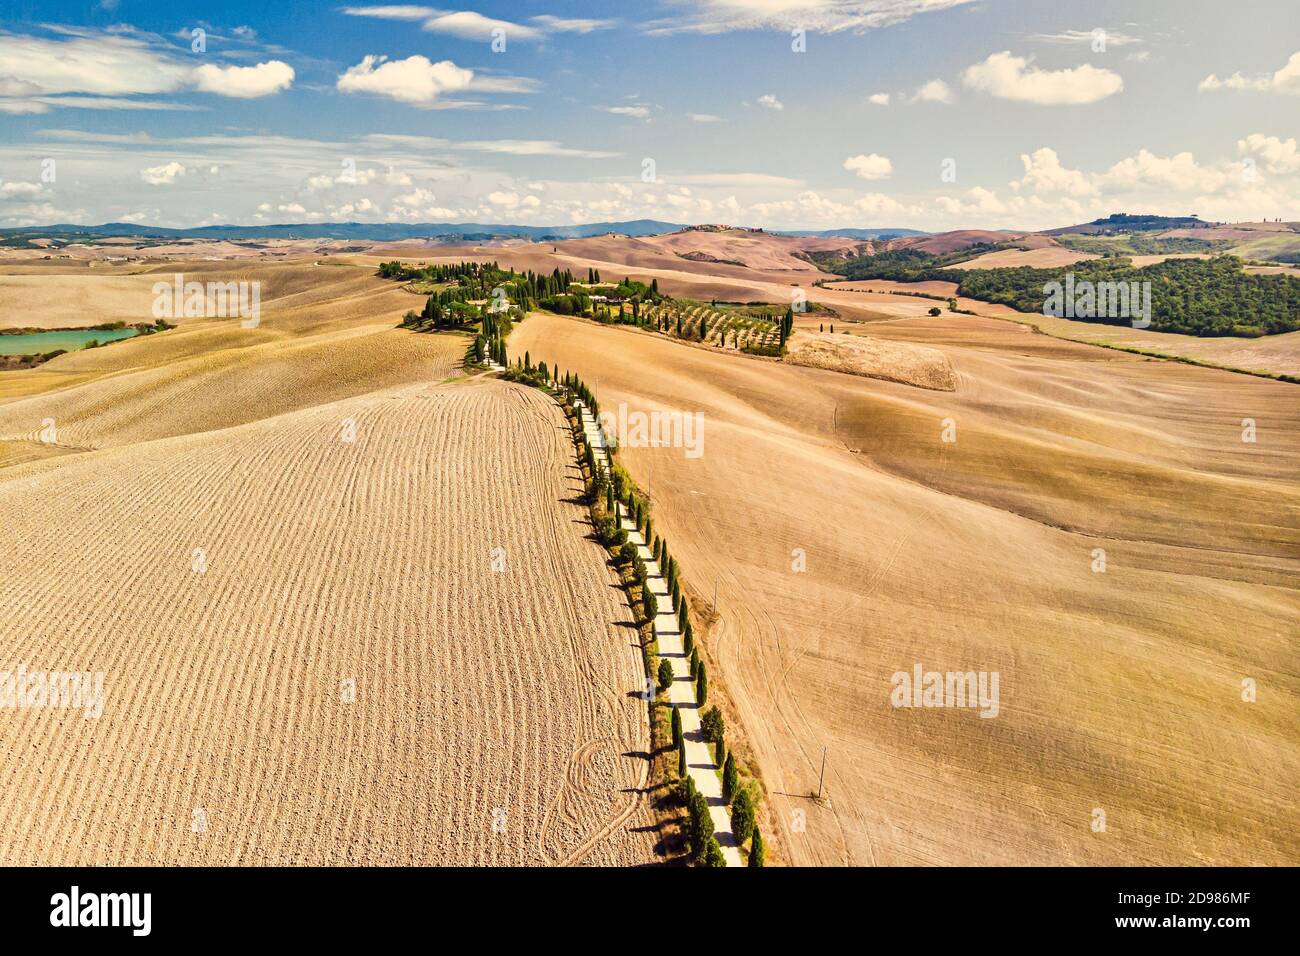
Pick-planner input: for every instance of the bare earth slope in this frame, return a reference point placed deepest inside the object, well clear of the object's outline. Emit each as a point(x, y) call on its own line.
point(1120, 689)
point(492, 722)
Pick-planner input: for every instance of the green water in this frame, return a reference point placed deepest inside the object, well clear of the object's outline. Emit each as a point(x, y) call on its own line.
point(38, 343)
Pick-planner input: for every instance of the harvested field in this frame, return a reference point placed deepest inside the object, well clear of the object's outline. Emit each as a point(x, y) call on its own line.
point(481, 696)
point(1044, 257)
point(1120, 690)
point(873, 358)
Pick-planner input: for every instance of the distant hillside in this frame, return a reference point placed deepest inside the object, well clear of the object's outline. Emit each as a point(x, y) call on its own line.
point(376, 231)
point(1124, 222)
point(863, 234)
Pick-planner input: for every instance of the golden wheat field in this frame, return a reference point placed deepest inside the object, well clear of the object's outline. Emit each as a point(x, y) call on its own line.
point(345, 611)
point(847, 542)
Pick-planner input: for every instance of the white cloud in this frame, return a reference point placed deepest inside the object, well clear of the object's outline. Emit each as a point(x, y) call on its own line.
point(507, 199)
point(822, 16)
point(293, 207)
point(570, 24)
point(1012, 78)
point(19, 189)
point(106, 103)
point(1278, 155)
point(418, 197)
point(163, 175)
point(936, 91)
point(1178, 173)
point(978, 202)
point(244, 82)
point(639, 112)
point(1286, 80)
point(704, 118)
point(414, 80)
point(872, 166)
point(36, 72)
point(110, 65)
point(468, 25)
point(532, 147)
point(1089, 37)
point(878, 99)
point(771, 102)
point(23, 107)
point(391, 12)
point(1045, 174)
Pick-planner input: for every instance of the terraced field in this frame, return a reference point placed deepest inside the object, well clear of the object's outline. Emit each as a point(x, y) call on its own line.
point(229, 584)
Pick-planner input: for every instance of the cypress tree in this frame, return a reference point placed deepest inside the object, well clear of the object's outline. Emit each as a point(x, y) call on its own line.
point(713, 857)
point(650, 602)
point(729, 779)
point(681, 616)
point(677, 729)
point(695, 663)
point(757, 852)
point(742, 817)
point(702, 685)
point(681, 763)
point(665, 675)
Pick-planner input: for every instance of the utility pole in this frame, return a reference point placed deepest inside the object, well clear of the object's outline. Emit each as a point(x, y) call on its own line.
point(821, 780)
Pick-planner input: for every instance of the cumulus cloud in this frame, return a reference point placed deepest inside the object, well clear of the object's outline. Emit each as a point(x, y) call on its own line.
point(878, 99)
point(976, 202)
point(1177, 173)
point(415, 80)
point(163, 175)
point(1045, 174)
point(1286, 80)
point(1012, 78)
point(771, 102)
point(872, 166)
point(244, 82)
point(1277, 155)
point(936, 91)
point(19, 189)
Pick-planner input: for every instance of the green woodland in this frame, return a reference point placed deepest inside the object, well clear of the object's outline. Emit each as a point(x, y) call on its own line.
point(1214, 296)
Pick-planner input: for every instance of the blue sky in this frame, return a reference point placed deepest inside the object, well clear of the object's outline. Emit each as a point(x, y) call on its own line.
point(781, 113)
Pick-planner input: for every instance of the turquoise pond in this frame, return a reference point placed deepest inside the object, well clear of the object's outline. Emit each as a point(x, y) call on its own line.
point(38, 343)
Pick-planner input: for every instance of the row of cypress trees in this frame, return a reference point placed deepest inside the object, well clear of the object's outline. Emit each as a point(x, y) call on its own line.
point(604, 488)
